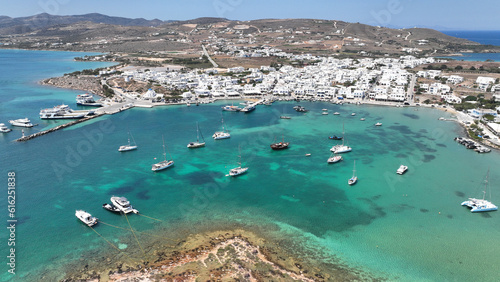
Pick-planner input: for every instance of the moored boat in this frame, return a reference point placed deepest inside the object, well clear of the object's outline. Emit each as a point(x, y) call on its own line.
point(354, 179)
point(238, 170)
point(378, 124)
point(224, 134)
point(129, 146)
point(197, 144)
point(86, 218)
point(4, 128)
point(402, 169)
point(165, 163)
point(280, 145)
point(63, 112)
point(231, 108)
point(110, 208)
point(481, 205)
point(122, 204)
point(334, 159)
point(22, 122)
point(87, 100)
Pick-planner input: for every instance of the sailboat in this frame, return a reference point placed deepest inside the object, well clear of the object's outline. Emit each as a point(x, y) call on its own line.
point(354, 177)
point(165, 163)
point(197, 144)
point(128, 147)
point(338, 149)
point(334, 158)
point(221, 134)
point(238, 170)
point(280, 145)
point(481, 205)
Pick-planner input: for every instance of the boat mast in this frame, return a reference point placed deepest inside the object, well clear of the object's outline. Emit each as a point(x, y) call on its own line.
point(164, 153)
point(197, 133)
point(354, 170)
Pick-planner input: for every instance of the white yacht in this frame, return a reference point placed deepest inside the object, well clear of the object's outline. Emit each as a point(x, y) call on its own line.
point(4, 128)
point(353, 114)
point(86, 218)
point(341, 148)
point(22, 122)
point(129, 146)
point(378, 124)
point(324, 113)
point(481, 205)
point(336, 113)
point(197, 144)
point(86, 100)
point(238, 170)
point(334, 159)
point(354, 177)
point(63, 112)
point(362, 119)
point(165, 163)
point(221, 134)
point(123, 204)
point(402, 169)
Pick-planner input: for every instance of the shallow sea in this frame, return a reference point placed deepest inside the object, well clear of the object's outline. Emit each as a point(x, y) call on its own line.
point(408, 227)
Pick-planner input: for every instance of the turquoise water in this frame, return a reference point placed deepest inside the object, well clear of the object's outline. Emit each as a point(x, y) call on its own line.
point(478, 57)
point(408, 227)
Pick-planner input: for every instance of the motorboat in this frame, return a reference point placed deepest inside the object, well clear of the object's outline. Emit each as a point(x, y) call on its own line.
point(248, 109)
point(378, 124)
point(362, 119)
point(402, 169)
point(4, 128)
point(481, 205)
point(285, 117)
point(335, 137)
point(129, 146)
point(224, 134)
point(197, 144)
point(353, 114)
point(336, 113)
point(63, 112)
point(334, 159)
point(231, 108)
point(22, 122)
point(122, 204)
point(87, 100)
point(110, 208)
point(165, 163)
point(324, 113)
point(86, 218)
point(300, 109)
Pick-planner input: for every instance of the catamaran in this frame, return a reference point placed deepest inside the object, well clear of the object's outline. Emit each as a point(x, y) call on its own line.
point(165, 163)
point(481, 205)
point(224, 134)
point(197, 144)
point(129, 146)
point(354, 177)
point(238, 170)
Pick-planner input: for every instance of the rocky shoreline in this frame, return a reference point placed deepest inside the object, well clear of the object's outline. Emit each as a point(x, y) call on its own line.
point(86, 83)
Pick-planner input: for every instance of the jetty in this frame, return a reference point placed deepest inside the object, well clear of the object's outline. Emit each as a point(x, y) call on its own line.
point(34, 135)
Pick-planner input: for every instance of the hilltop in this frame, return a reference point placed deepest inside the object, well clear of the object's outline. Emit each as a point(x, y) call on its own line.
point(223, 37)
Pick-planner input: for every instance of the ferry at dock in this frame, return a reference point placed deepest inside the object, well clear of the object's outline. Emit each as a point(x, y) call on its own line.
point(63, 112)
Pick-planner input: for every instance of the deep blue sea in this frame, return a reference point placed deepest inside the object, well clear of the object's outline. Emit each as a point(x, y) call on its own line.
point(407, 228)
point(486, 37)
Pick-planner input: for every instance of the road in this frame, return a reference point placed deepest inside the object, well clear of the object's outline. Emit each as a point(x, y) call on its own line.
point(208, 56)
point(411, 94)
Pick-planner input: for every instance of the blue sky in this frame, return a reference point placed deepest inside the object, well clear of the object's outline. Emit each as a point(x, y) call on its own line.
point(438, 14)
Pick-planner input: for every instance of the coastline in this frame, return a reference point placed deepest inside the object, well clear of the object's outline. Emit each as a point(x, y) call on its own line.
point(210, 253)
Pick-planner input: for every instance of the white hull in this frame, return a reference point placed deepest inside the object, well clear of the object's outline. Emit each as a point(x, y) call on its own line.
point(162, 165)
point(221, 135)
point(4, 129)
point(238, 171)
point(334, 159)
point(126, 148)
point(339, 149)
point(402, 169)
point(479, 205)
point(123, 205)
point(86, 218)
point(21, 123)
point(193, 145)
point(353, 180)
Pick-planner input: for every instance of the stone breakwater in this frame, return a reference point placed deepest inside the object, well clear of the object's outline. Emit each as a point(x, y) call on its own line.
point(82, 82)
point(29, 137)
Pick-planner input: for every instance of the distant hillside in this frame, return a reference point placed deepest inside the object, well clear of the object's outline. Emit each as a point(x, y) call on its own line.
point(10, 25)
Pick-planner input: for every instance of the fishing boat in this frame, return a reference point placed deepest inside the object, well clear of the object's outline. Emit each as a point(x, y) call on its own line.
point(224, 134)
point(197, 144)
point(129, 146)
point(238, 170)
point(402, 169)
point(86, 218)
point(354, 177)
point(341, 148)
point(4, 128)
point(22, 122)
point(334, 158)
point(280, 145)
point(123, 204)
point(481, 205)
point(165, 163)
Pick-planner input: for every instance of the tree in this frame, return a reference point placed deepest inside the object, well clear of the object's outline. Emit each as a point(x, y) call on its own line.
point(459, 68)
point(427, 102)
point(443, 67)
point(489, 117)
point(472, 68)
